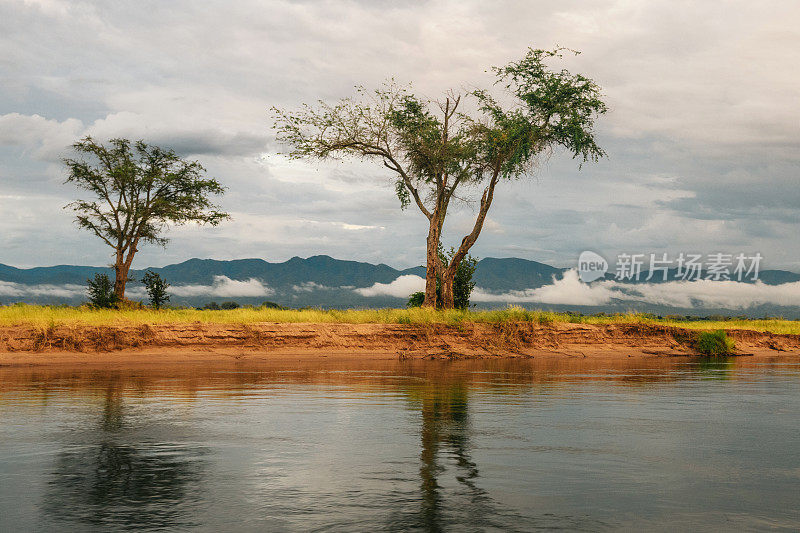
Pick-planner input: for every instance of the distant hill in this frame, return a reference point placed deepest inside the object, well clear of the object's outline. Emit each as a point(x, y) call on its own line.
point(315, 281)
point(491, 274)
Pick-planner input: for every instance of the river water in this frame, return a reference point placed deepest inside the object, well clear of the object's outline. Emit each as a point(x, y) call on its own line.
point(486, 445)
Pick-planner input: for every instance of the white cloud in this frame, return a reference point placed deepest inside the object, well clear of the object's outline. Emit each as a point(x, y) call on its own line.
point(358, 227)
point(569, 290)
point(224, 287)
point(309, 286)
point(402, 287)
point(47, 139)
point(693, 93)
point(18, 290)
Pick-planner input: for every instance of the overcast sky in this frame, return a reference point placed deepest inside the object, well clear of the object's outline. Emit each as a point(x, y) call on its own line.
point(703, 131)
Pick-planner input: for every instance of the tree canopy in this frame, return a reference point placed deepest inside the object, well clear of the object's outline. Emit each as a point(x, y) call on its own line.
point(435, 148)
point(136, 191)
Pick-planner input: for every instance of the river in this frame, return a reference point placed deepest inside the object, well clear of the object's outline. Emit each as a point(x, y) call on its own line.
point(373, 445)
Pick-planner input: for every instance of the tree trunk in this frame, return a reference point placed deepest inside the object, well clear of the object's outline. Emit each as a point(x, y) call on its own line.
point(120, 278)
point(466, 243)
point(448, 298)
point(431, 256)
point(122, 268)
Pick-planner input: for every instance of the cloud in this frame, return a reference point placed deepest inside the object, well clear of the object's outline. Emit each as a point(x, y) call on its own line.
point(224, 287)
point(695, 94)
point(47, 139)
point(309, 286)
point(18, 290)
point(402, 287)
point(359, 227)
point(569, 290)
point(190, 136)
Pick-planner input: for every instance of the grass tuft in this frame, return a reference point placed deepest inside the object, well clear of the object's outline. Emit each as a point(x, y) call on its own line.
point(714, 343)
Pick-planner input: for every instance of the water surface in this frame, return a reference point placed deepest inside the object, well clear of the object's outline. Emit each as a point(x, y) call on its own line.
point(511, 445)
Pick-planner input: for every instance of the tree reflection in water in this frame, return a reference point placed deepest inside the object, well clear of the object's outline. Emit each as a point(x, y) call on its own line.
point(121, 485)
point(445, 430)
point(445, 442)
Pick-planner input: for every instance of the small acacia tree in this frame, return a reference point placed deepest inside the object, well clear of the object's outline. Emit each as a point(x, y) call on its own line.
point(433, 148)
point(156, 288)
point(101, 292)
point(137, 191)
point(462, 283)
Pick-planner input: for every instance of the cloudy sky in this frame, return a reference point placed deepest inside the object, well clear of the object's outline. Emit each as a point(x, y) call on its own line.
point(703, 132)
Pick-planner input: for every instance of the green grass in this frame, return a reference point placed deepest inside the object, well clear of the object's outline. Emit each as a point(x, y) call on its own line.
point(48, 316)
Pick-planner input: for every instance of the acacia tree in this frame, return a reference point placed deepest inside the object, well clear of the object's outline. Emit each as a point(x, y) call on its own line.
point(156, 288)
point(427, 151)
point(138, 190)
point(433, 148)
point(549, 109)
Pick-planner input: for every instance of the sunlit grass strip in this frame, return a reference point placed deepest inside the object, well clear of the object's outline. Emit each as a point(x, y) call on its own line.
point(47, 316)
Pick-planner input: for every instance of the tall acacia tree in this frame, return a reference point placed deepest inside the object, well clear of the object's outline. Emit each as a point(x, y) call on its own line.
point(138, 191)
point(424, 144)
point(549, 109)
point(434, 149)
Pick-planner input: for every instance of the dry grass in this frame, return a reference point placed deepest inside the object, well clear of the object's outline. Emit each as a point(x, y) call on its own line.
point(47, 317)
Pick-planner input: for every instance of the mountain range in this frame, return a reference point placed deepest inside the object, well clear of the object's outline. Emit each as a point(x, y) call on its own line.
point(315, 281)
point(491, 274)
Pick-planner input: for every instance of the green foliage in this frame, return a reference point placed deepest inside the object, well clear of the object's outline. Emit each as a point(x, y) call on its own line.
point(416, 299)
point(462, 281)
point(101, 292)
point(433, 148)
point(135, 191)
point(229, 306)
point(271, 305)
point(557, 108)
point(574, 318)
point(156, 287)
point(138, 189)
point(714, 343)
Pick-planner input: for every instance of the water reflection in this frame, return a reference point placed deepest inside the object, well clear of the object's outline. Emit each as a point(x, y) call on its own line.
point(109, 479)
point(495, 444)
point(444, 424)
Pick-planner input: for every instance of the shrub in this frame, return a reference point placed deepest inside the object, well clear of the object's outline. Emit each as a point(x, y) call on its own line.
point(545, 319)
point(714, 343)
point(574, 318)
point(211, 306)
point(416, 299)
point(101, 292)
point(462, 283)
point(156, 287)
point(128, 305)
point(227, 306)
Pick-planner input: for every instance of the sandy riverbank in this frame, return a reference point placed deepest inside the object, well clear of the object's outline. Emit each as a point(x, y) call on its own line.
point(26, 345)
